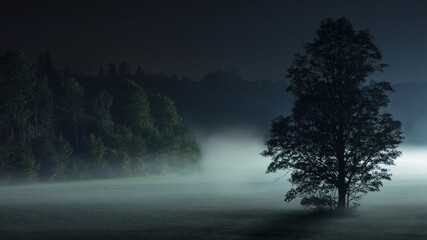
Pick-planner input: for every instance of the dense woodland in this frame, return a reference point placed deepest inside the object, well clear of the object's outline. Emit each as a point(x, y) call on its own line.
point(59, 125)
point(63, 125)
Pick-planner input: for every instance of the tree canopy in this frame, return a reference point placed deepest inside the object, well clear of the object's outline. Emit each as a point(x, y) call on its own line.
point(58, 124)
point(338, 141)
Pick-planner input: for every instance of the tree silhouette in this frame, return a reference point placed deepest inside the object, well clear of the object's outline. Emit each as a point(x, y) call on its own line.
point(337, 142)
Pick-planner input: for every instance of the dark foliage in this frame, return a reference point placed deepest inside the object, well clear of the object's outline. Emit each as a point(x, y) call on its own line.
point(337, 142)
point(221, 98)
point(59, 125)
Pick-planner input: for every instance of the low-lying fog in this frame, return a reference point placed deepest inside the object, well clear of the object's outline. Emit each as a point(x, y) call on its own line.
point(230, 197)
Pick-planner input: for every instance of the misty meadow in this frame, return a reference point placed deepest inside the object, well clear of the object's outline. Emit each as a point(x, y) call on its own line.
point(308, 137)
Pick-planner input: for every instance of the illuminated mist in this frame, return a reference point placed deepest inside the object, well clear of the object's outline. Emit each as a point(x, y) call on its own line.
point(230, 194)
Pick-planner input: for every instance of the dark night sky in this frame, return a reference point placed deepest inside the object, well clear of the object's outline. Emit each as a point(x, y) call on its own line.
point(193, 38)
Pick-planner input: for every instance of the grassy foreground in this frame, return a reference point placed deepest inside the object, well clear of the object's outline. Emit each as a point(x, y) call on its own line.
point(196, 208)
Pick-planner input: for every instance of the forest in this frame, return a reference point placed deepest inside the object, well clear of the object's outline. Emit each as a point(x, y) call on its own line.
point(213, 120)
point(62, 125)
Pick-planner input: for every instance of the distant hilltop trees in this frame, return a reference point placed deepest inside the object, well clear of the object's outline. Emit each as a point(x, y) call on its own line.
point(59, 125)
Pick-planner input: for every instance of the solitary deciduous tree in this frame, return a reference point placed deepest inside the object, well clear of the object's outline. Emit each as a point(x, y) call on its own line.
point(338, 141)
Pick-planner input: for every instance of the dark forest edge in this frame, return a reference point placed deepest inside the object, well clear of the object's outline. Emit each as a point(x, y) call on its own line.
point(221, 98)
point(59, 125)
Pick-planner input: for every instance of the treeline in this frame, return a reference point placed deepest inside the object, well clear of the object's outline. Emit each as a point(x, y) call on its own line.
point(59, 125)
point(223, 98)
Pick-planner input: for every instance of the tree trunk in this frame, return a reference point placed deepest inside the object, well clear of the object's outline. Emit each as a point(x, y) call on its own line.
point(342, 188)
point(341, 198)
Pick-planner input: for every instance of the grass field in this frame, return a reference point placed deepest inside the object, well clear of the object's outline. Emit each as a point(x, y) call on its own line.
point(178, 207)
point(230, 199)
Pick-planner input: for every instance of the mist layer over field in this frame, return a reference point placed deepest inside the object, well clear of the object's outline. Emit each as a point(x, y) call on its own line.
point(230, 198)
